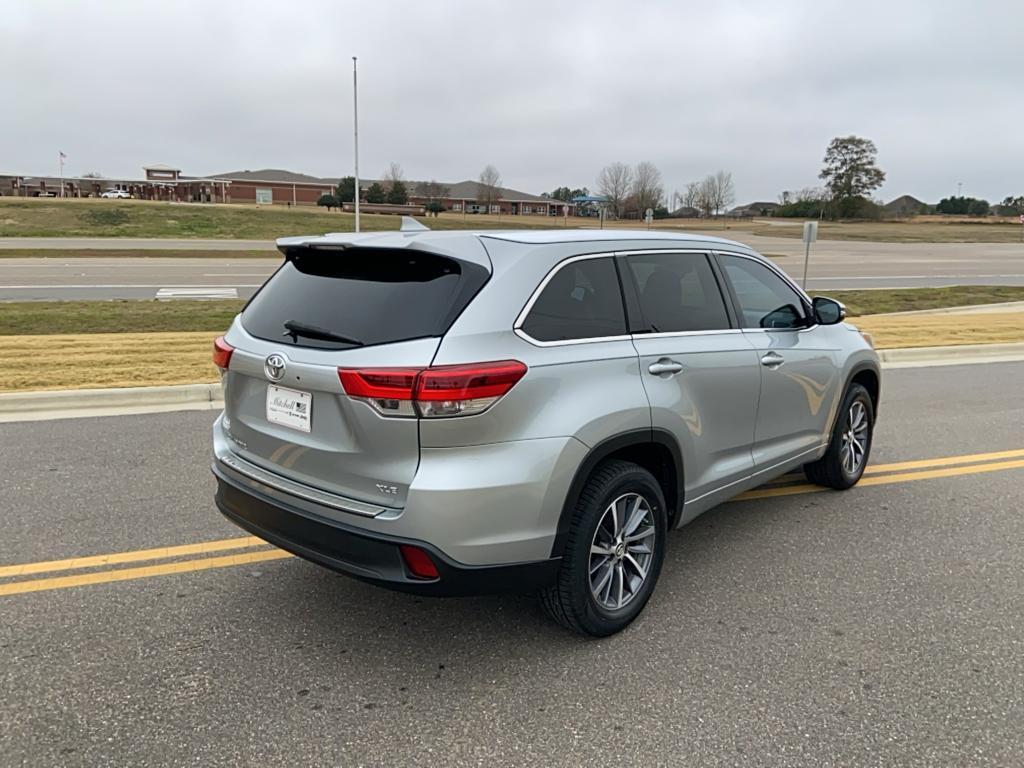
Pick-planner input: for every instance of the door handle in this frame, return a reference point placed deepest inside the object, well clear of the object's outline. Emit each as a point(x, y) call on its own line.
point(772, 360)
point(665, 367)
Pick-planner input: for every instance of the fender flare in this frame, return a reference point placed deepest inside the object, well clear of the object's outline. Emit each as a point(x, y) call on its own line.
point(602, 451)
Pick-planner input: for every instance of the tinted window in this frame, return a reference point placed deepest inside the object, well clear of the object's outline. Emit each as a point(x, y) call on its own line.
point(366, 296)
point(581, 301)
point(766, 300)
point(678, 292)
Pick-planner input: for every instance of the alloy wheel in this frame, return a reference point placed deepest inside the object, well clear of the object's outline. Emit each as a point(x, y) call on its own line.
point(622, 551)
point(854, 445)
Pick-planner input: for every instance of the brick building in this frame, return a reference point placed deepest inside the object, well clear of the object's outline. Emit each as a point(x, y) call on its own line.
point(278, 187)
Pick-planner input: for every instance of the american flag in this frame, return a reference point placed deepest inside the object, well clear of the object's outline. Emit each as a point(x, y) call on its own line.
point(63, 156)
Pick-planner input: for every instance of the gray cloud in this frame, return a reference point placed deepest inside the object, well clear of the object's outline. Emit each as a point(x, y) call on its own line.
point(547, 92)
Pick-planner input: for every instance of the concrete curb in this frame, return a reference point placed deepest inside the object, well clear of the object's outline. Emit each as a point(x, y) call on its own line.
point(73, 403)
point(76, 403)
point(967, 309)
point(914, 357)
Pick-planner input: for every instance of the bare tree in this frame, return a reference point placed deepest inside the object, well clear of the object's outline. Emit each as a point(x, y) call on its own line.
point(435, 193)
point(725, 193)
point(433, 190)
point(704, 195)
point(92, 175)
point(691, 196)
point(647, 186)
point(614, 182)
point(489, 187)
point(392, 174)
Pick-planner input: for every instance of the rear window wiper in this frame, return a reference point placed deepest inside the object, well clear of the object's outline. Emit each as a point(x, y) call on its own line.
point(296, 329)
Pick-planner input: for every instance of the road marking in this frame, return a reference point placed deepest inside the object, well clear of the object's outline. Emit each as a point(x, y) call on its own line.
point(198, 293)
point(939, 468)
point(875, 469)
point(126, 574)
point(793, 490)
point(117, 558)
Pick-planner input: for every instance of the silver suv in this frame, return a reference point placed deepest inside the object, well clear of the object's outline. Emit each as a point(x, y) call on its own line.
point(464, 412)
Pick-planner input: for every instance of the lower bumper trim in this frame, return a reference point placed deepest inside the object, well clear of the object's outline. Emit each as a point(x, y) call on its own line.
point(369, 557)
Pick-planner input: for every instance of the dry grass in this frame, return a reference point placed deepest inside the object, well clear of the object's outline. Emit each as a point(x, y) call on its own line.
point(941, 330)
point(52, 217)
point(81, 361)
point(73, 361)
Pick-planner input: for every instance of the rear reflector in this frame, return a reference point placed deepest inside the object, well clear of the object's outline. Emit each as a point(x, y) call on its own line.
point(418, 562)
point(222, 353)
point(453, 390)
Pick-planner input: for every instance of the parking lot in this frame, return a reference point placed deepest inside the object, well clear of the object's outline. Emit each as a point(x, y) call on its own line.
point(796, 627)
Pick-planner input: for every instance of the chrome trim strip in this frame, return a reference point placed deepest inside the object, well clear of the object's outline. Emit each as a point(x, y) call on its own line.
point(674, 334)
point(292, 488)
point(565, 342)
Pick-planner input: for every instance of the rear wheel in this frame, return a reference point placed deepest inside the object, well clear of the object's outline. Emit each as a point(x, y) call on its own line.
point(848, 450)
point(614, 551)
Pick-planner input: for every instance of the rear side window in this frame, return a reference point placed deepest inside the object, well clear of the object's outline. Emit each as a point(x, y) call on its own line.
point(361, 297)
point(582, 300)
point(678, 292)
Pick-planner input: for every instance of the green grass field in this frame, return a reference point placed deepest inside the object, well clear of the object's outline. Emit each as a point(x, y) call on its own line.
point(50, 217)
point(151, 316)
point(909, 299)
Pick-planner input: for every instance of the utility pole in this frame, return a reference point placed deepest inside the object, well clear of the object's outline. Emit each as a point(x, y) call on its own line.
point(355, 132)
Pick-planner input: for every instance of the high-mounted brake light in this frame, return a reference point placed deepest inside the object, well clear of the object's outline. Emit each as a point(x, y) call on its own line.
point(222, 353)
point(452, 390)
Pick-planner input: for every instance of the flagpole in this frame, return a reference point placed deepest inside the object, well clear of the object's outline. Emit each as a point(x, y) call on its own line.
point(60, 160)
point(355, 132)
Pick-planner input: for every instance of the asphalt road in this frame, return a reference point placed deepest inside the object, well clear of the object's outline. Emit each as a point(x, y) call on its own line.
point(834, 264)
point(880, 626)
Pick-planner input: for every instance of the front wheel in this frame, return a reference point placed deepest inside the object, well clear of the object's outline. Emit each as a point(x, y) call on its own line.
point(614, 551)
point(848, 449)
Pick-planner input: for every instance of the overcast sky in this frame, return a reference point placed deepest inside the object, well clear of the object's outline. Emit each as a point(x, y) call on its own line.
point(548, 92)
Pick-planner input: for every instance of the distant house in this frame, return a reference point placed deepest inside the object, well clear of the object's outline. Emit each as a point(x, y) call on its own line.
point(905, 205)
point(274, 186)
point(755, 209)
point(685, 212)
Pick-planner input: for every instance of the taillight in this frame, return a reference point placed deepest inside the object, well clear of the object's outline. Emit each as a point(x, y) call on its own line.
point(453, 390)
point(389, 390)
point(222, 353)
point(463, 390)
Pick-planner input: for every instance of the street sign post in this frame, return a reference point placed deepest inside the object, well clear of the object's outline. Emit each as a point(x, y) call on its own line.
point(649, 216)
point(810, 235)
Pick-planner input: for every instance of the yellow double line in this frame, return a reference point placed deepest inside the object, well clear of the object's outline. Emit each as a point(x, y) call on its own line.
point(250, 549)
point(141, 572)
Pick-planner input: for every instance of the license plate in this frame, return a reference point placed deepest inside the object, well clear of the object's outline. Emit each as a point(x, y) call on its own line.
point(289, 408)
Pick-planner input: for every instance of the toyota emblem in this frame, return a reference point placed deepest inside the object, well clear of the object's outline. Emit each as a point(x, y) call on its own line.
point(274, 367)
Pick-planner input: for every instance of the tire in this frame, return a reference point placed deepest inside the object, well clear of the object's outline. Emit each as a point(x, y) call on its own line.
point(571, 600)
point(833, 469)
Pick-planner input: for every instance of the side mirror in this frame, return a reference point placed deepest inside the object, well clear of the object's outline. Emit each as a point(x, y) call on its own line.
point(828, 311)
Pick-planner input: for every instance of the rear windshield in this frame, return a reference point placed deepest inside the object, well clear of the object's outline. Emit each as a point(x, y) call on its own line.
point(361, 297)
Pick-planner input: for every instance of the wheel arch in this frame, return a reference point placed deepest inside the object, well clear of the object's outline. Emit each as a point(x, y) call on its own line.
point(656, 450)
point(868, 377)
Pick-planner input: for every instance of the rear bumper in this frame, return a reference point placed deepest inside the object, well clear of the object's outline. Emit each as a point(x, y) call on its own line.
point(369, 557)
